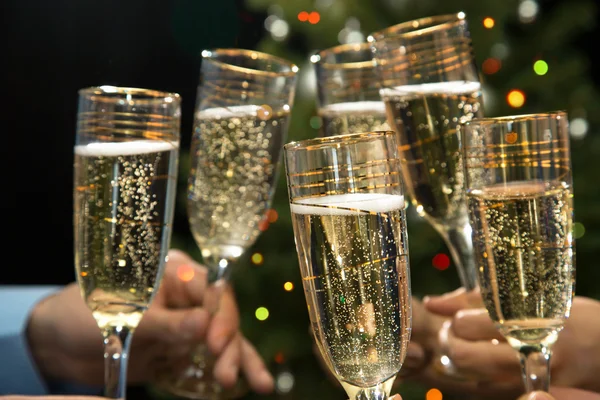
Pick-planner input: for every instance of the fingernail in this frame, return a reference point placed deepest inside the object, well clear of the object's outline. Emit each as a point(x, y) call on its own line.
point(536, 396)
point(426, 299)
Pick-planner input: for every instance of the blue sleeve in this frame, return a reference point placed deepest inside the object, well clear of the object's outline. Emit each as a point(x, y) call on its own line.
point(18, 373)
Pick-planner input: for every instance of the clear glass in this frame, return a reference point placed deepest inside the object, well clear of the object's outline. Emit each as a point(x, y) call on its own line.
point(125, 172)
point(430, 84)
point(348, 90)
point(347, 207)
point(519, 191)
point(240, 125)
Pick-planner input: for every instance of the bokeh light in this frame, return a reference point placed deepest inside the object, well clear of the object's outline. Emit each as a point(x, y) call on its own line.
point(441, 261)
point(315, 122)
point(263, 225)
point(302, 16)
point(261, 313)
point(528, 10)
point(540, 67)
point(434, 394)
point(578, 128)
point(491, 65)
point(489, 22)
point(279, 358)
point(288, 286)
point(185, 273)
point(284, 382)
point(272, 215)
point(578, 230)
point(257, 259)
point(314, 17)
point(515, 98)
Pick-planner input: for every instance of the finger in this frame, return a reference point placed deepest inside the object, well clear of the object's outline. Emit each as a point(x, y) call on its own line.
point(228, 364)
point(259, 378)
point(483, 359)
point(563, 393)
point(537, 396)
point(225, 323)
point(449, 303)
point(173, 326)
point(396, 397)
point(184, 281)
point(475, 324)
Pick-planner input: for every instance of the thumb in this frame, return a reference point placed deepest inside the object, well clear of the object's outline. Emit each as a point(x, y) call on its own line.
point(174, 325)
point(396, 397)
point(449, 303)
point(536, 396)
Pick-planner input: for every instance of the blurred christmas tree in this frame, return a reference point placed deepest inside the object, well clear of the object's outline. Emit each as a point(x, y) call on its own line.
point(532, 61)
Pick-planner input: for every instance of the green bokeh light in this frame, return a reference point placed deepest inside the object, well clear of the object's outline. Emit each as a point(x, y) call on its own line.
point(540, 67)
point(261, 313)
point(578, 230)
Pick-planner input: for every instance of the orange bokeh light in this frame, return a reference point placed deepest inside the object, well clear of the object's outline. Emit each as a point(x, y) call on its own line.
point(302, 16)
point(263, 225)
point(185, 273)
point(491, 65)
point(434, 394)
point(272, 215)
point(515, 98)
point(489, 22)
point(314, 17)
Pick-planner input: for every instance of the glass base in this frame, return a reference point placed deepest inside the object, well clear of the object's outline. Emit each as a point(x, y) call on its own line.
point(194, 383)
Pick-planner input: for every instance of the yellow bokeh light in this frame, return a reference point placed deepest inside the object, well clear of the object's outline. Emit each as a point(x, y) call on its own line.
point(261, 313)
point(433, 394)
point(288, 286)
point(515, 98)
point(257, 258)
point(489, 22)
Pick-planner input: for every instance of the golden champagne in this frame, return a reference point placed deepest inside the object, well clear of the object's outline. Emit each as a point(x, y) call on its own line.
point(235, 154)
point(425, 117)
point(353, 117)
point(524, 253)
point(124, 196)
point(353, 254)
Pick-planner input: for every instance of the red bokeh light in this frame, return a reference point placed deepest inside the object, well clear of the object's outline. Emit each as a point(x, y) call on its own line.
point(279, 358)
point(263, 225)
point(272, 215)
point(302, 16)
point(441, 261)
point(314, 17)
point(491, 65)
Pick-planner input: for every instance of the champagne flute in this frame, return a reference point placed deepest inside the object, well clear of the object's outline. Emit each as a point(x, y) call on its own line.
point(519, 191)
point(347, 206)
point(126, 155)
point(241, 122)
point(430, 84)
point(348, 90)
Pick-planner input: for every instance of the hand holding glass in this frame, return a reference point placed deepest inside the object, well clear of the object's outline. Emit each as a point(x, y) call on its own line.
point(126, 156)
point(347, 207)
point(240, 125)
point(519, 191)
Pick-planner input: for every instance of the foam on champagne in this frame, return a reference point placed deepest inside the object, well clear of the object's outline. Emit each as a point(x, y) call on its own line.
point(363, 107)
point(113, 149)
point(448, 88)
point(513, 189)
point(349, 204)
point(249, 110)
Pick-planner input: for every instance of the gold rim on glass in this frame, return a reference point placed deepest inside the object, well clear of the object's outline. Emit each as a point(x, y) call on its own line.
point(316, 143)
point(516, 118)
point(111, 94)
point(319, 58)
point(289, 69)
point(420, 26)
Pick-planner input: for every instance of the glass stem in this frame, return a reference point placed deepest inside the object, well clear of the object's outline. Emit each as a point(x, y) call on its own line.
point(535, 364)
point(460, 244)
point(117, 340)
